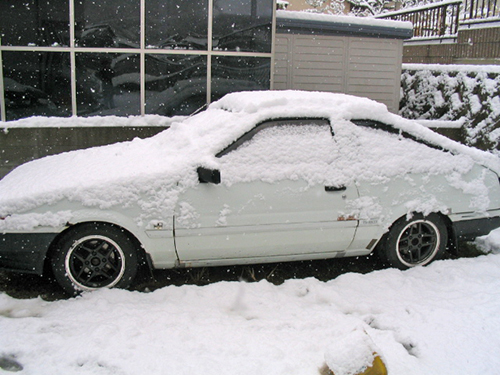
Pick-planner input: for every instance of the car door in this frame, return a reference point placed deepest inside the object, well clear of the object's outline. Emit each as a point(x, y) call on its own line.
point(277, 200)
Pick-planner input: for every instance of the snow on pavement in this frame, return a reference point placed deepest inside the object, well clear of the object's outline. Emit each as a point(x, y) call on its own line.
point(441, 319)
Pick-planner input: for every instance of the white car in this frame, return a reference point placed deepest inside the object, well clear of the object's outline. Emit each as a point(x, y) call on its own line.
point(258, 177)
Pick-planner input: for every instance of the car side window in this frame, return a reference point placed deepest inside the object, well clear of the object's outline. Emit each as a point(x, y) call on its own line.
point(371, 124)
point(278, 150)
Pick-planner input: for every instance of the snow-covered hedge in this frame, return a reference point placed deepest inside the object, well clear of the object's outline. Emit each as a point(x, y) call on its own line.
point(469, 93)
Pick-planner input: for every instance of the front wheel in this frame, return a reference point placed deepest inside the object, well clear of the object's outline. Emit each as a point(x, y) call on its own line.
point(415, 242)
point(94, 256)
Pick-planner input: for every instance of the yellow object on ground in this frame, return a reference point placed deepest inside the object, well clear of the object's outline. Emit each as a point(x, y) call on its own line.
point(353, 353)
point(377, 368)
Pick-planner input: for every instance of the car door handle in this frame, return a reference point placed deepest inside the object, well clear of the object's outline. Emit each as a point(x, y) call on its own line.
point(335, 188)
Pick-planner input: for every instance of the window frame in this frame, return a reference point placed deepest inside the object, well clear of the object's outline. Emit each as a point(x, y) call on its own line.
point(373, 124)
point(294, 121)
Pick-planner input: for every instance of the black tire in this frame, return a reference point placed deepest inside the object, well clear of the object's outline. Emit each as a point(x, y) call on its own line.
point(93, 256)
point(415, 242)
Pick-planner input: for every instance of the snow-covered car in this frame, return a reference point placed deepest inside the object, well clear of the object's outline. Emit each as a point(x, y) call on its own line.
point(258, 177)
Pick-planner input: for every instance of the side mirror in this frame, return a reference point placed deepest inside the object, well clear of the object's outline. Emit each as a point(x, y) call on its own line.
point(206, 175)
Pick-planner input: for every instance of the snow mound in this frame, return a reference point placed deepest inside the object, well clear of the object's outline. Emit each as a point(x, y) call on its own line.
point(298, 103)
point(342, 19)
point(93, 121)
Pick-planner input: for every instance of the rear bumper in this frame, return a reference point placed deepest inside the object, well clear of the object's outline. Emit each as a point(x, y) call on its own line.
point(468, 230)
point(24, 252)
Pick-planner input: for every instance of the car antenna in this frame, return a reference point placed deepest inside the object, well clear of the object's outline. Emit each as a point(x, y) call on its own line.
point(198, 110)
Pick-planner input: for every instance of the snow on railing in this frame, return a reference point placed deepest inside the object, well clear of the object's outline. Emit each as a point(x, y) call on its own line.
point(442, 19)
point(431, 20)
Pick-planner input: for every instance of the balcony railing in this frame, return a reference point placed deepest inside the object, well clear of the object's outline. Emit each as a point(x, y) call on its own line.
point(432, 20)
point(481, 9)
point(442, 19)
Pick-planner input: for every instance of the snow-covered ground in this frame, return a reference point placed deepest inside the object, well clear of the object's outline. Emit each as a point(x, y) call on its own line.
point(441, 319)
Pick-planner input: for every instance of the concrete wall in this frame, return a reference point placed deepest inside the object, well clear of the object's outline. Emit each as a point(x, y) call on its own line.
point(473, 46)
point(19, 145)
point(369, 67)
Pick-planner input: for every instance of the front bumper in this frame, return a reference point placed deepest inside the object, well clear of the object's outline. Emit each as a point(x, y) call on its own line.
point(24, 252)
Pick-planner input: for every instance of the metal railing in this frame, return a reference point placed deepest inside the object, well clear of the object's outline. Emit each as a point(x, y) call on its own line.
point(481, 9)
point(442, 19)
point(432, 20)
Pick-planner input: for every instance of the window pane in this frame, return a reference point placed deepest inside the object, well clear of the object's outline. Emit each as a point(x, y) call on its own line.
point(34, 23)
point(36, 84)
point(282, 152)
point(242, 25)
point(108, 84)
point(175, 84)
point(231, 74)
point(107, 23)
point(177, 24)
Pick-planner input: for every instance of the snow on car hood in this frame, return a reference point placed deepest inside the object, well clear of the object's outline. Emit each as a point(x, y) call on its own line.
point(152, 172)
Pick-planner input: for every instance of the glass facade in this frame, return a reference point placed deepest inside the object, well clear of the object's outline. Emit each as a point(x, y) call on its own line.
point(34, 23)
point(130, 57)
point(175, 84)
point(243, 25)
point(36, 84)
point(177, 24)
point(237, 73)
point(108, 84)
point(107, 23)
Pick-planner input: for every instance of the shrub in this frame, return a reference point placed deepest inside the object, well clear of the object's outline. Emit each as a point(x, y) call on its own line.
point(455, 92)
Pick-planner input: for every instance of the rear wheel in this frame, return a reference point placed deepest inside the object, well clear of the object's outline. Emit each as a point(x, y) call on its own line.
point(93, 256)
point(415, 242)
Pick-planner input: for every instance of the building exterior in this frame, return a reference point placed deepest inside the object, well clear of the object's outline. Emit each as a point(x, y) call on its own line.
point(130, 57)
point(171, 57)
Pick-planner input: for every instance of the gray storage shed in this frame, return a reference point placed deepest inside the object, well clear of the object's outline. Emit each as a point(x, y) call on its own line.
point(352, 55)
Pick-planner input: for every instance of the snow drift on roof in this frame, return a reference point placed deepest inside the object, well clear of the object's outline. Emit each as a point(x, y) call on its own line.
point(340, 19)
